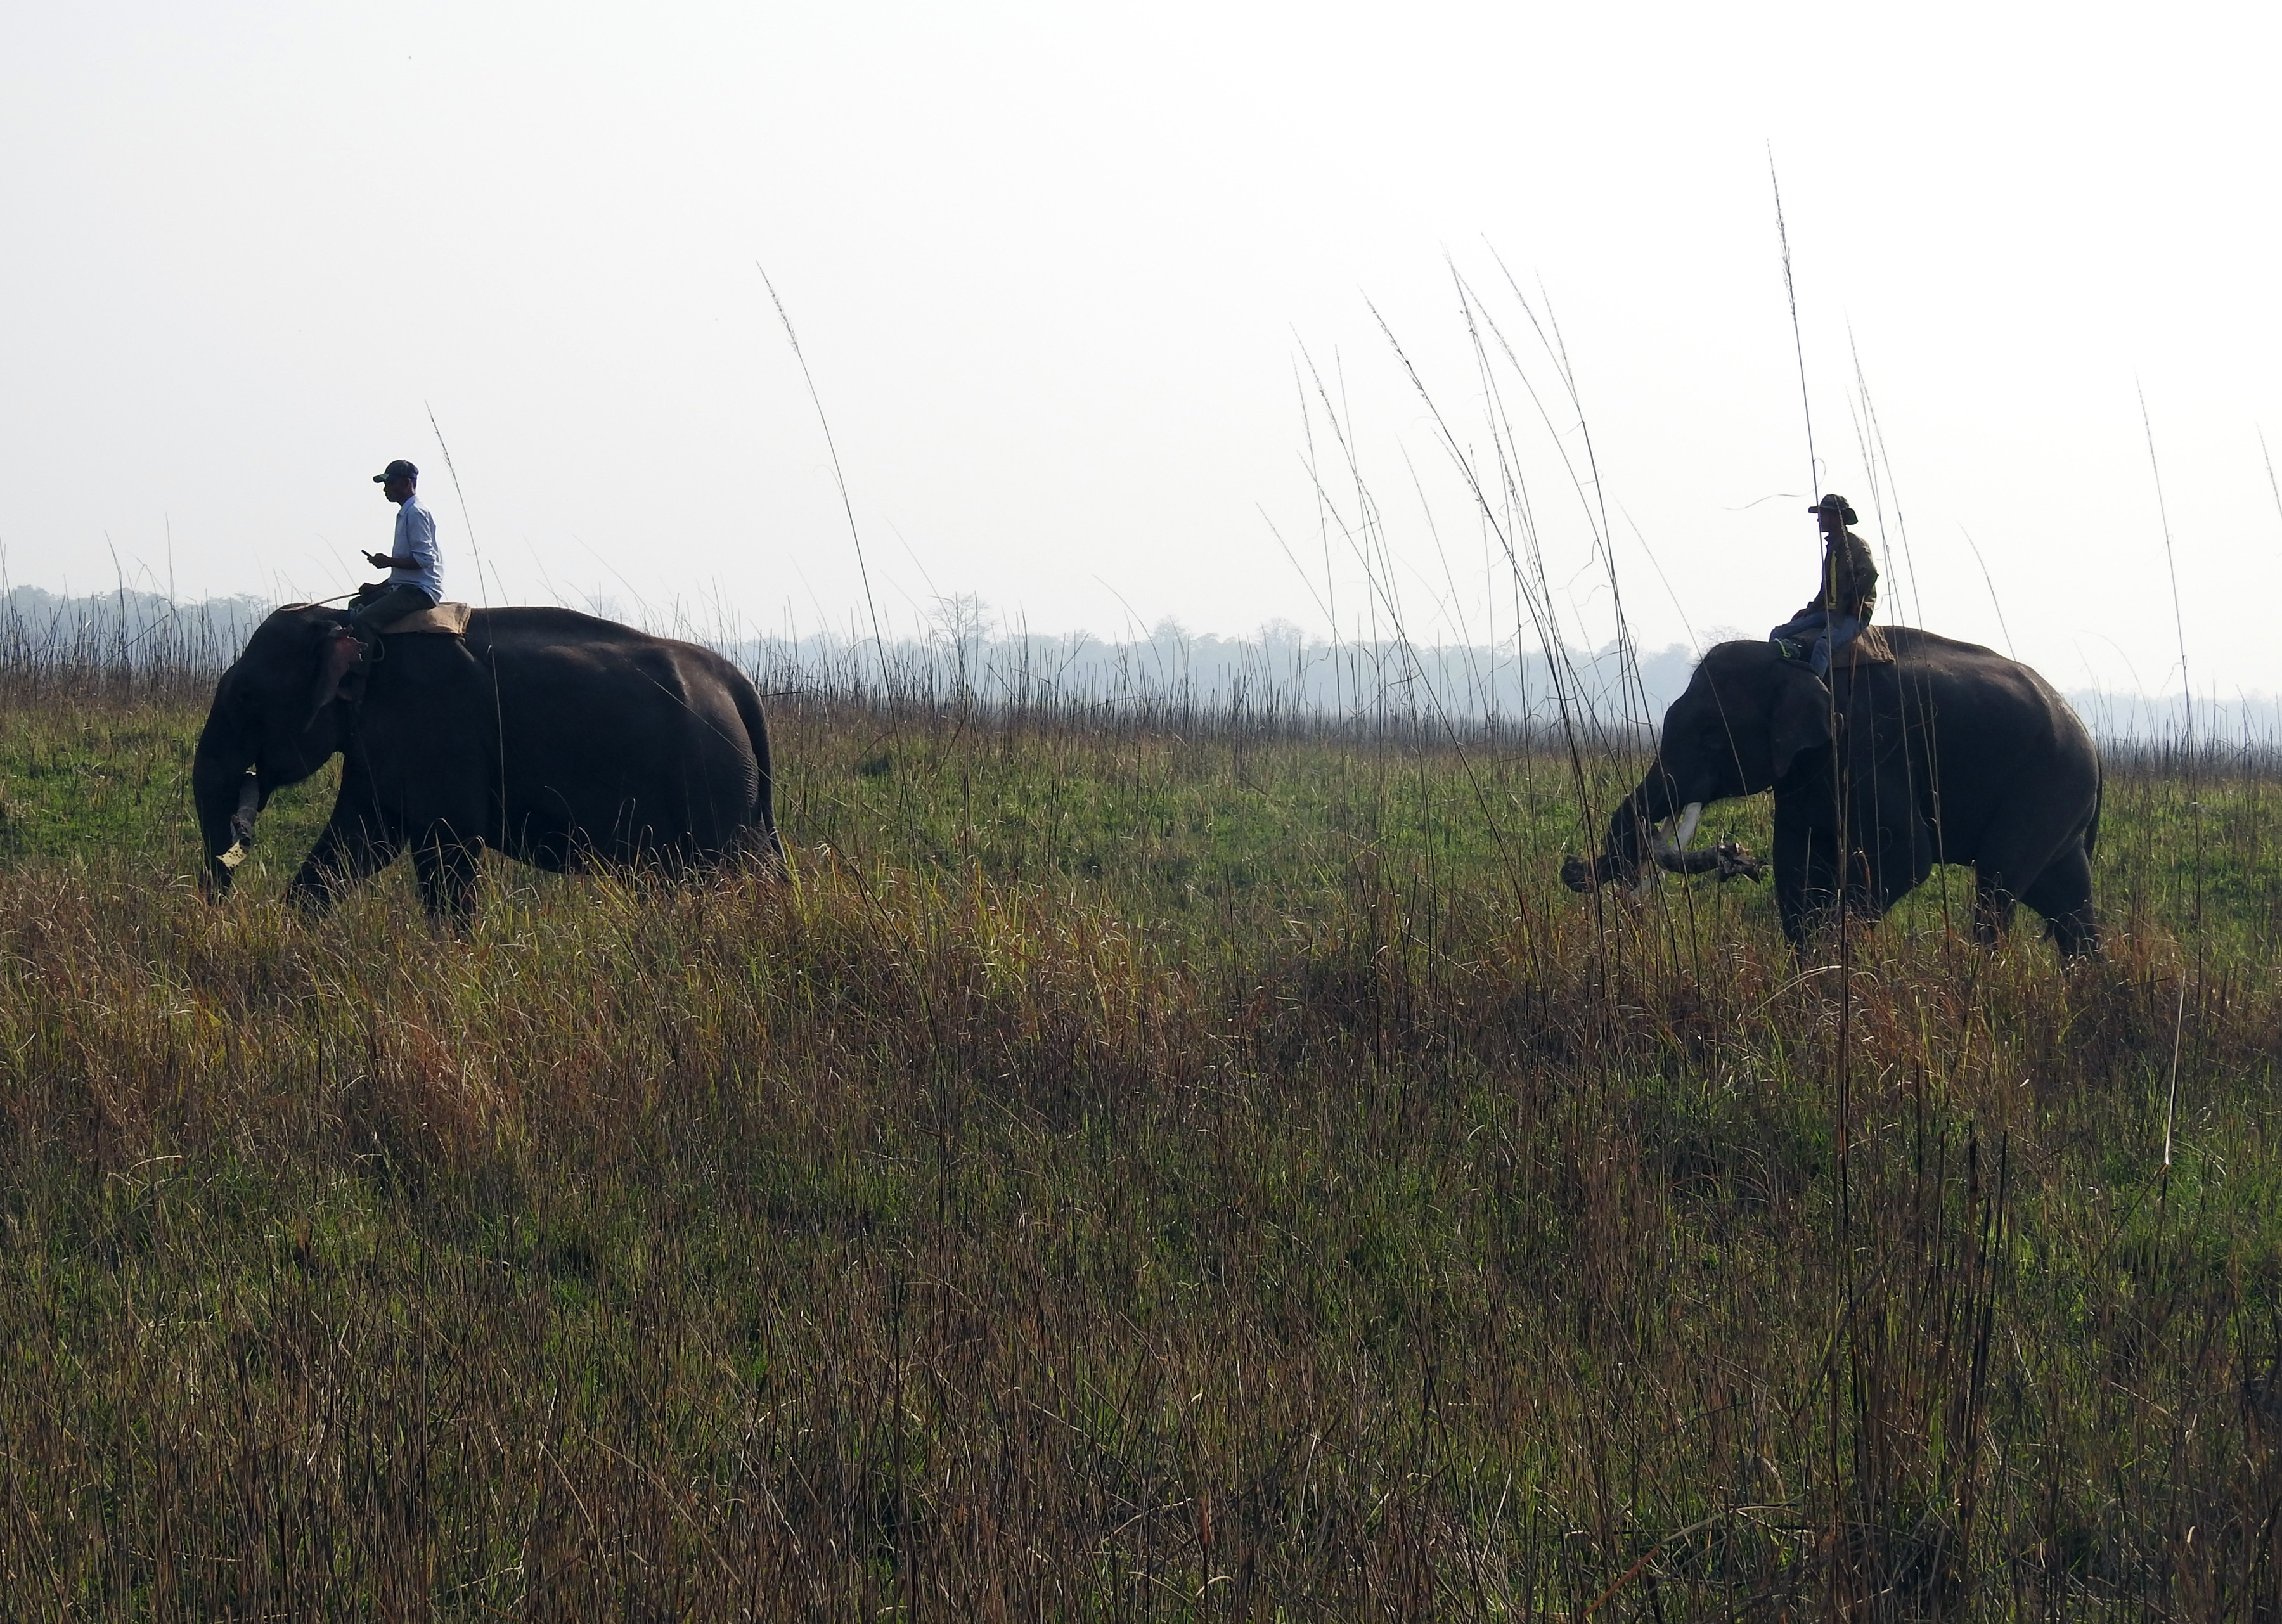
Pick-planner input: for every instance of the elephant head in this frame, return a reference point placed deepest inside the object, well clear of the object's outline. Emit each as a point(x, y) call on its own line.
point(1749, 720)
point(275, 720)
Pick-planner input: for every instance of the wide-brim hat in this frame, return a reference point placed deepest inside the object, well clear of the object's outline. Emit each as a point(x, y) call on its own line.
point(1836, 504)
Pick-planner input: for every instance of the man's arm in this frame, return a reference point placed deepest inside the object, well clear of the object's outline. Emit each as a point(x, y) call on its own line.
point(400, 561)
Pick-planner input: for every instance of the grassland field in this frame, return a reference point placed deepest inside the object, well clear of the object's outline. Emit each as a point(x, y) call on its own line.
point(1124, 1173)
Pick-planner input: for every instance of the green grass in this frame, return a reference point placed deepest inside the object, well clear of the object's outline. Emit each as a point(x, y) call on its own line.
point(1121, 1177)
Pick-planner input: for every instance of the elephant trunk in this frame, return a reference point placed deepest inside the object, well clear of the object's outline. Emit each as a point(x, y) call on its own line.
point(228, 794)
point(1635, 849)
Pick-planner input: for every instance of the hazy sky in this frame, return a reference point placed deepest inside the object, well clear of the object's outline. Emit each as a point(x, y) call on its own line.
point(1054, 266)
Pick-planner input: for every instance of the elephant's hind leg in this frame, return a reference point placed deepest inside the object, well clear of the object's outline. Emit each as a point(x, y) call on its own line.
point(2032, 847)
point(759, 845)
point(2062, 894)
point(2010, 865)
point(1992, 909)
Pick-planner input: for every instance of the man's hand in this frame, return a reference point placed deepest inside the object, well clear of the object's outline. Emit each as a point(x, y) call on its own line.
point(380, 561)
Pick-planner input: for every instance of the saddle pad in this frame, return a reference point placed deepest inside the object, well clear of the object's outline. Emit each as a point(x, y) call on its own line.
point(448, 619)
point(1869, 648)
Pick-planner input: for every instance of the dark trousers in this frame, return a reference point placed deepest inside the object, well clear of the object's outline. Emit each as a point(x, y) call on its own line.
point(375, 614)
point(1820, 633)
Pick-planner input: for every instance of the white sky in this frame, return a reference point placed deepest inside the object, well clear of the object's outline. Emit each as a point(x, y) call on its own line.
point(1051, 267)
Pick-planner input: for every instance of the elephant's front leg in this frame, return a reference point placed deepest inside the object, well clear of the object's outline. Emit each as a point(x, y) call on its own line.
point(1801, 894)
point(447, 867)
point(1904, 862)
point(349, 850)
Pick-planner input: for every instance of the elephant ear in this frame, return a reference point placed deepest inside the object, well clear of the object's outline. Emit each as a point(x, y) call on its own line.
point(340, 653)
point(1801, 721)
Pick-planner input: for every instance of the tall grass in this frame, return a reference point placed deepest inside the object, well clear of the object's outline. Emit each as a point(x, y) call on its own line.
point(1122, 1173)
point(1165, 1150)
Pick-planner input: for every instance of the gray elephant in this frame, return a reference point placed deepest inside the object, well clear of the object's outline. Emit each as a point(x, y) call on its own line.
point(553, 737)
point(1948, 753)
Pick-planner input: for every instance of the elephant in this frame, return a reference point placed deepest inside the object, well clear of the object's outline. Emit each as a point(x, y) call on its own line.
point(558, 738)
point(1951, 753)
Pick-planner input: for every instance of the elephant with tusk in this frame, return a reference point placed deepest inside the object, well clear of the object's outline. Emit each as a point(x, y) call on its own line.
point(556, 738)
point(1939, 752)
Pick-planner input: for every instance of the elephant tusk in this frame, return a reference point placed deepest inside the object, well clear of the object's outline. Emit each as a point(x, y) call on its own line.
point(1653, 869)
point(1727, 859)
point(1666, 849)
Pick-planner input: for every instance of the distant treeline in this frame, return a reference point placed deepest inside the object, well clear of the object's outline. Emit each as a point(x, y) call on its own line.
point(139, 632)
point(1278, 674)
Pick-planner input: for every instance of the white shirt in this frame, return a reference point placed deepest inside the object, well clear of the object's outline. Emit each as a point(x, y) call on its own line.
point(415, 538)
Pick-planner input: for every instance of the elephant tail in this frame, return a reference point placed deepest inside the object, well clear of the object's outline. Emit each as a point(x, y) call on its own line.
point(2091, 829)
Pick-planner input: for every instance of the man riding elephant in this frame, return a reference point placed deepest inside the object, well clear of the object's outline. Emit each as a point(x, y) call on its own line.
point(1939, 752)
point(552, 737)
point(415, 566)
point(1843, 598)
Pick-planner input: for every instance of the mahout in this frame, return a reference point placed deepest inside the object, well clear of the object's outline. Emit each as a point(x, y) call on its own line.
point(558, 738)
point(1946, 752)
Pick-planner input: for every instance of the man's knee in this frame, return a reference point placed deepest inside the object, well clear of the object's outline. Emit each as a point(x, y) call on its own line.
point(376, 614)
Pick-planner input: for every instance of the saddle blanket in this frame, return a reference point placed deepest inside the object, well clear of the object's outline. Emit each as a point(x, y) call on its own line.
point(1869, 648)
point(447, 619)
point(1866, 647)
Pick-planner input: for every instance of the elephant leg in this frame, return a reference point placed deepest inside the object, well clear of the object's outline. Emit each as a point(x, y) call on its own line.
point(2062, 894)
point(1898, 861)
point(1861, 887)
point(1802, 893)
point(1864, 873)
point(1992, 908)
point(2008, 865)
point(1997, 886)
point(348, 851)
point(447, 867)
point(763, 846)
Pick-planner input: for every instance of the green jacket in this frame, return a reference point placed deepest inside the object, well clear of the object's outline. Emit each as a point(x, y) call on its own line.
point(1849, 578)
